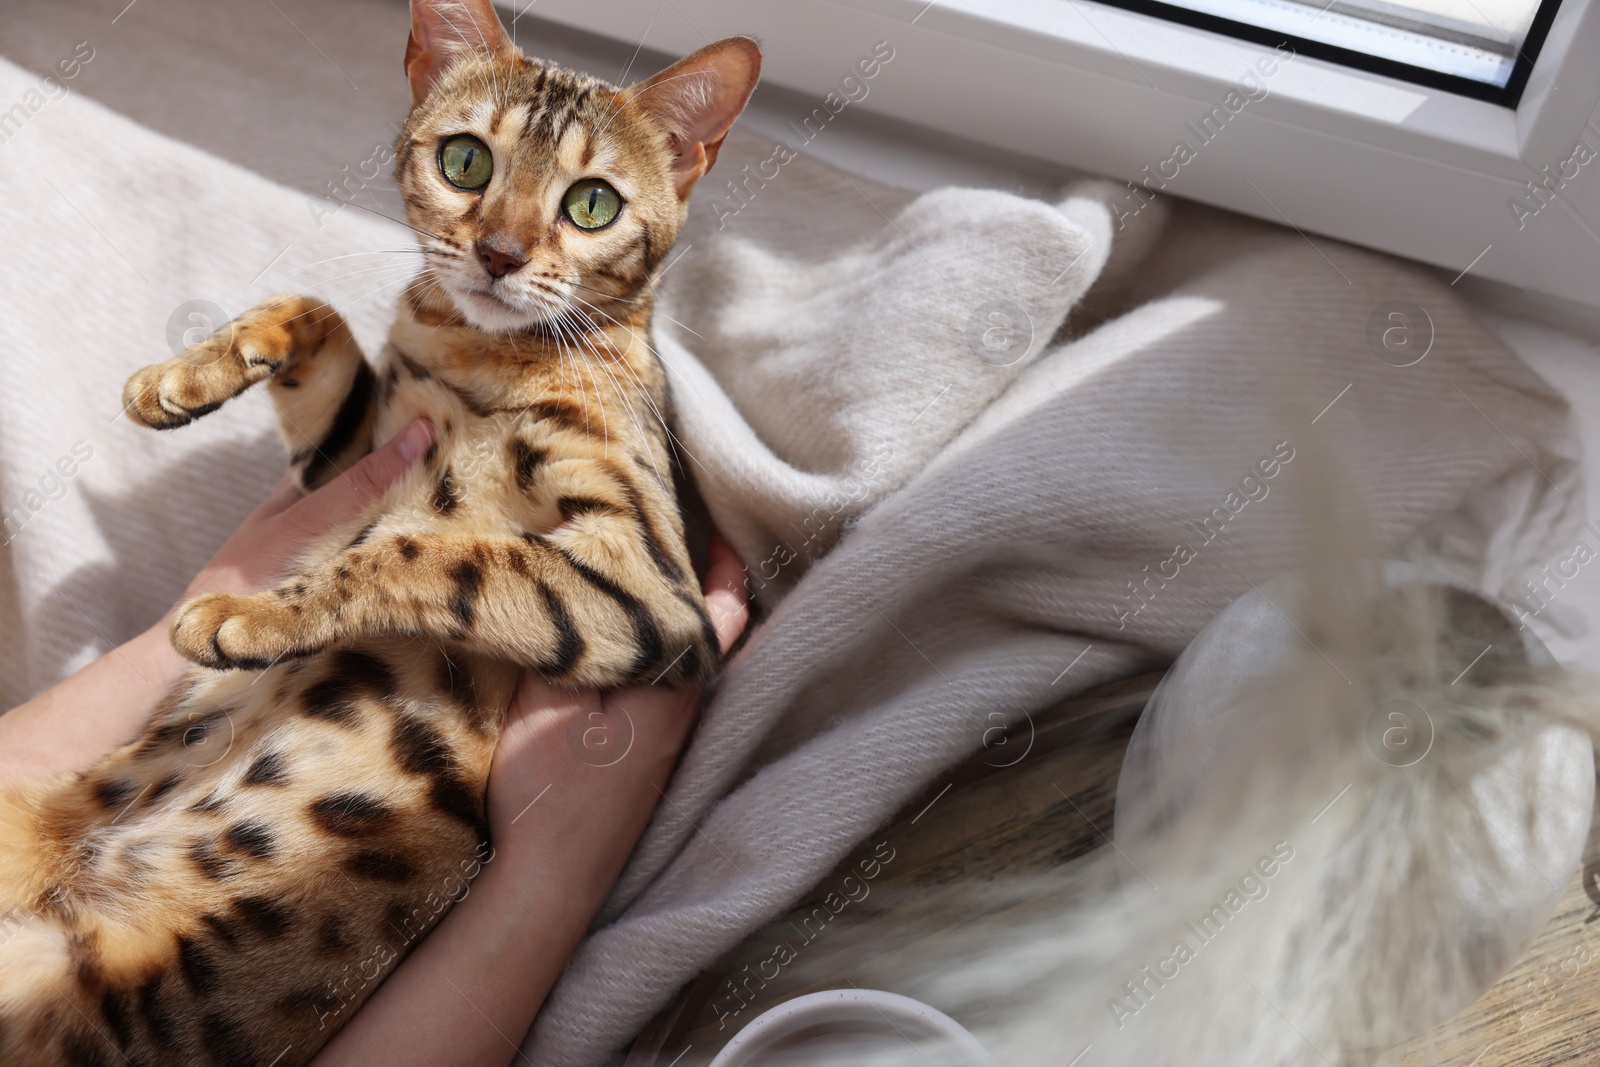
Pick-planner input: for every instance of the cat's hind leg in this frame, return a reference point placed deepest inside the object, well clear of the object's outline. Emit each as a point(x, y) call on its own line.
point(322, 386)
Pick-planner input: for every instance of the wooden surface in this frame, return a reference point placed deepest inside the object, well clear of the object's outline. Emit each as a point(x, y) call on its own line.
point(1546, 1009)
point(1041, 798)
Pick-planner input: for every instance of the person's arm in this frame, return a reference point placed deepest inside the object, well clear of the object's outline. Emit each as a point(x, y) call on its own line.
point(72, 725)
point(563, 818)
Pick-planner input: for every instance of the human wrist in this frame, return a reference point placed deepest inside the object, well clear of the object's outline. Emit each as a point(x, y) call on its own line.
point(152, 650)
point(590, 825)
point(217, 577)
point(526, 885)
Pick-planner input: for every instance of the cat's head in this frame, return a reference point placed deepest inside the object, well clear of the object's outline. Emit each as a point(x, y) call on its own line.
point(546, 196)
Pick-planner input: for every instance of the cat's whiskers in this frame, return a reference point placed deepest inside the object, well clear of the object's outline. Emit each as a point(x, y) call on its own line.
point(385, 276)
point(361, 245)
point(550, 335)
point(622, 392)
point(290, 273)
point(432, 285)
point(561, 359)
point(375, 211)
point(633, 412)
point(565, 356)
point(558, 297)
point(601, 292)
point(379, 289)
point(605, 420)
point(343, 277)
point(580, 365)
point(589, 348)
point(428, 284)
point(353, 255)
point(644, 391)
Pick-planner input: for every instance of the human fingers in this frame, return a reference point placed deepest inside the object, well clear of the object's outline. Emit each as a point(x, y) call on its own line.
point(347, 495)
point(275, 533)
point(284, 496)
point(726, 592)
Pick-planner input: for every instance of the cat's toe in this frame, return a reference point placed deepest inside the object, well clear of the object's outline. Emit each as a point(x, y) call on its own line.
point(174, 393)
point(194, 629)
point(229, 632)
point(143, 400)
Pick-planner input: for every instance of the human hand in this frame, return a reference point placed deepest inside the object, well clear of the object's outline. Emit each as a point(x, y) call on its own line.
point(577, 774)
point(272, 537)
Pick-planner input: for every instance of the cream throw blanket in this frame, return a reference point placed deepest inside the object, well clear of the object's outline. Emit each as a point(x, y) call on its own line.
point(1000, 458)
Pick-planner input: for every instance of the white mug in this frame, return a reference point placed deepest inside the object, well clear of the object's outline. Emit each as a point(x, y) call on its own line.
point(854, 1026)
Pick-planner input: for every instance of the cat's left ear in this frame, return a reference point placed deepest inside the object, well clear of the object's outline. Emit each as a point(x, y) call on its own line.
point(697, 99)
point(444, 30)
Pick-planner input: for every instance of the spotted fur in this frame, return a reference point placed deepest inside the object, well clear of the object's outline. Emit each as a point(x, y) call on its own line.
point(229, 887)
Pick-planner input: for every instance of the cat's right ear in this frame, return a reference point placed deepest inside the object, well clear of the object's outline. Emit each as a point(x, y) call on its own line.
point(696, 100)
point(444, 30)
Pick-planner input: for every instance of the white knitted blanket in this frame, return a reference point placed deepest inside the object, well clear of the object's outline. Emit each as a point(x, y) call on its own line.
point(960, 484)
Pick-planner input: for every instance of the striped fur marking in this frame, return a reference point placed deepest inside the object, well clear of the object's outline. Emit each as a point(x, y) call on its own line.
point(341, 433)
point(647, 632)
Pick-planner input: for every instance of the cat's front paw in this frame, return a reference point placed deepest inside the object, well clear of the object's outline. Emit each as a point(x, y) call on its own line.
point(227, 631)
point(167, 395)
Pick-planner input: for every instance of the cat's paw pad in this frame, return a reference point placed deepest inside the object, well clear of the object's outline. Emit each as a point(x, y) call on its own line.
point(230, 632)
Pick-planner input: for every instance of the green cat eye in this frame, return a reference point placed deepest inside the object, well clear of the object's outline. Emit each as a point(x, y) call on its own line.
point(591, 204)
point(465, 162)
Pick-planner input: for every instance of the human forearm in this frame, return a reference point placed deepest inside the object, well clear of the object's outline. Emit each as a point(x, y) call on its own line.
point(470, 991)
point(70, 726)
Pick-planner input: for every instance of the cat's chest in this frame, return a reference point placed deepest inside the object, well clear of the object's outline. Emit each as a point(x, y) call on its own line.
point(472, 467)
point(409, 389)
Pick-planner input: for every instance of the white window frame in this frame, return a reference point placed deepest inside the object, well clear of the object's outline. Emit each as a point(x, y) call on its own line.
point(1330, 150)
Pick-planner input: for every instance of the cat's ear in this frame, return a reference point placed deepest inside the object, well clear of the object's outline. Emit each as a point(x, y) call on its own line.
point(697, 99)
point(444, 30)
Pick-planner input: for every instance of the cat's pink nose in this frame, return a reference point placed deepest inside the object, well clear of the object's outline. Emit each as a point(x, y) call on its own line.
point(497, 261)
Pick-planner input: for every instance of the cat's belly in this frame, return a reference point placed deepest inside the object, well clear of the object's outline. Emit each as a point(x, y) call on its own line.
point(270, 847)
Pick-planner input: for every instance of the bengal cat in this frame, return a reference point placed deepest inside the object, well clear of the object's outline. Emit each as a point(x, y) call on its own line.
point(230, 902)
